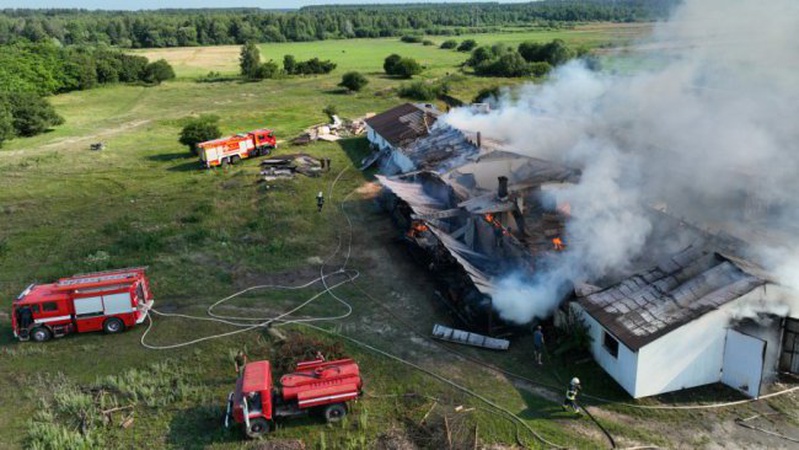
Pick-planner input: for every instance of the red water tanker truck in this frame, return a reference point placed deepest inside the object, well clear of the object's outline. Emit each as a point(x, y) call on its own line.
point(109, 301)
point(232, 149)
point(316, 386)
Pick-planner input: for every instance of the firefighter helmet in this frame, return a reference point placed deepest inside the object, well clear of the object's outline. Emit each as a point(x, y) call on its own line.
point(575, 381)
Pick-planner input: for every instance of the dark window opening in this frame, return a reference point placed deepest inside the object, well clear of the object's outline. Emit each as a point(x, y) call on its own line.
point(35, 308)
point(611, 344)
point(49, 306)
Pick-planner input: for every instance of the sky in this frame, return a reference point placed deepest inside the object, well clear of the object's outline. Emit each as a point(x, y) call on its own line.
point(159, 4)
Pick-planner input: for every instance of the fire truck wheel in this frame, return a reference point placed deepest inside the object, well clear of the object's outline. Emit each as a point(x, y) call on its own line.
point(113, 325)
point(41, 334)
point(335, 412)
point(258, 428)
point(235, 159)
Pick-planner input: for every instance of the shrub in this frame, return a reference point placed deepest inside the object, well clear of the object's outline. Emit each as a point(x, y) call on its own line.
point(353, 81)
point(467, 45)
point(422, 91)
point(407, 68)
point(390, 63)
point(401, 67)
point(507, 65)
point(158, 71)
point(428, 43)
point(314, 66)
point(411, 39)
point(289, 64)
point(267, 70)
point(330, 110)
point(539, 69)
point(449, 44)
point(555, 52)
point(487, 95)
point(201, 129)
point(30, 113)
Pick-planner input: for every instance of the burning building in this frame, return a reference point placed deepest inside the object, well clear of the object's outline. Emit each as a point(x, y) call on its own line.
point(392, 131)
point(680, 325)
point(476, 212)
point(707, 133)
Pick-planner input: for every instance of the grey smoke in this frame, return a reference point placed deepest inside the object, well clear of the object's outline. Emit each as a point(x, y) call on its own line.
point(710, 119)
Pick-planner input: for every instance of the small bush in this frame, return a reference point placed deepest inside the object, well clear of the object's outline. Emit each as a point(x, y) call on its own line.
point(353, 81)
point(449, 44)
point(467, 45)
point(158, 71)
point(428, 43)
point(200, 129)
point(487, 95)
point(401, 67)
point(330, 110)
point(422, 91)
point(267, 70)
point(411, 39)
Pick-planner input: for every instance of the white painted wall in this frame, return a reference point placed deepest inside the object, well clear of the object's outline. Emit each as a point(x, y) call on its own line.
point(741, 369)
point(689, 356)
point(398, 159)
point(622, 368)
point(375, 139)
point(403, 162)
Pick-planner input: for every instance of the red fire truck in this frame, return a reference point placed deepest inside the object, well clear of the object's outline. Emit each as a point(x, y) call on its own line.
point(315, 386)
point(232, 149)
point(110, 301)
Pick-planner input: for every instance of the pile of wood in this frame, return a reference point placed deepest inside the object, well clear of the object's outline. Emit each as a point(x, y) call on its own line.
point(287, 166)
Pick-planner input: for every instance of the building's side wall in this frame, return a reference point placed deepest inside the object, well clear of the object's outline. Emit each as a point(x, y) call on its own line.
point(403, 162)
point(690, 356)
point(621, 368)
point(375, 139)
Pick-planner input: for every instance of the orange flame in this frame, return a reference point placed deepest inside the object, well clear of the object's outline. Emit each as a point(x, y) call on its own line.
point(489, 218)
point(558, 243)
point(417, 228)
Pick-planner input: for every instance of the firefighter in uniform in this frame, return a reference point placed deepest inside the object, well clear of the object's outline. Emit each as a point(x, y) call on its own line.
point(320, 201)
point(571, 396)
point(240, 361)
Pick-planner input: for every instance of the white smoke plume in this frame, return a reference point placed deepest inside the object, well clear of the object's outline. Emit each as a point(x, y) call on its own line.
point(709, 128)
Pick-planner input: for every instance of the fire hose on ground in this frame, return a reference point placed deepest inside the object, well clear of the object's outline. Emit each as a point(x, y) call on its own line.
point(249, 323)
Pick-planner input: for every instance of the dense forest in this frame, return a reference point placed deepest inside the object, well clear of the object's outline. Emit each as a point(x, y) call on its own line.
point(173, 28)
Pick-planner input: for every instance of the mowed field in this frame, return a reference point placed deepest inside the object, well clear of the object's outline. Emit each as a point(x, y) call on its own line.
point(204, 235)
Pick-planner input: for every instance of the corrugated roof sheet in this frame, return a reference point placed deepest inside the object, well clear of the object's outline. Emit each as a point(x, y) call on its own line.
point(647, 305)
point(443, 148)
point(403, 124)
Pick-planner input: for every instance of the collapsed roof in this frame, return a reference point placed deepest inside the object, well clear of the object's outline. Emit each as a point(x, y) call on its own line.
point(485, 233)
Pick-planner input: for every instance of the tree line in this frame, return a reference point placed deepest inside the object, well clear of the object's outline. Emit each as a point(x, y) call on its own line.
point(173, 28)
point(31, 71)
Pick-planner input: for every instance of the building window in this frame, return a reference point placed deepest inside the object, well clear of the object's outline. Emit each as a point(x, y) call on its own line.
point(49, 306)
point(611, 344)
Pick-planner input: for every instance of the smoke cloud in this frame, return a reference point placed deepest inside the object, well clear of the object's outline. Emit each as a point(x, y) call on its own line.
point(706, 126)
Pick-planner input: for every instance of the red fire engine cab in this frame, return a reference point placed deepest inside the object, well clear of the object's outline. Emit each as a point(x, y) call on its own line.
point(110, 301)
point(232, 149)
point(315, 386)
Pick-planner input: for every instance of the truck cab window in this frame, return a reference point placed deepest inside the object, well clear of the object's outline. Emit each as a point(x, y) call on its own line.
point(254, 402)
point(49, 306)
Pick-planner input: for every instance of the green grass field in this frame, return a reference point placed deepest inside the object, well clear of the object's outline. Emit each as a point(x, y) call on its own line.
point(206, 234)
